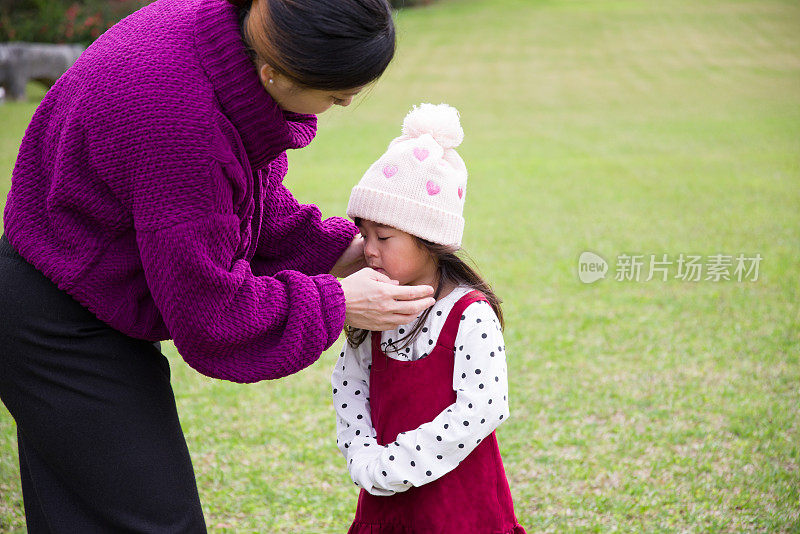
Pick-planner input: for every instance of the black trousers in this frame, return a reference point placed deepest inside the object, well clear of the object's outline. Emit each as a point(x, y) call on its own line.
point(100, 445)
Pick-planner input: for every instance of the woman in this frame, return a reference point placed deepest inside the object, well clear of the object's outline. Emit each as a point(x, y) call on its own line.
point(146, 204)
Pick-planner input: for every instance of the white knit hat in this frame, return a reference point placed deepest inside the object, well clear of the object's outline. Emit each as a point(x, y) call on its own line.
point(420, 183)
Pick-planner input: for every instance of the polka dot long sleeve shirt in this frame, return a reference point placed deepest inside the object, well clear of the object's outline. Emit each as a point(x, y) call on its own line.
point(435, 448)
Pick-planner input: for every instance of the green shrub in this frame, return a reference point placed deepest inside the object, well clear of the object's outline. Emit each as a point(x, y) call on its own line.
point(62, 21)
point(397, 4)
point(70, 21)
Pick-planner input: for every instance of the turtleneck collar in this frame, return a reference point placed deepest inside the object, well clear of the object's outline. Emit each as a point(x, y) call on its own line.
point(265, 129)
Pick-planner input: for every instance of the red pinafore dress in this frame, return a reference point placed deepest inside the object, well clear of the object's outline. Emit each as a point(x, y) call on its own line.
point(474, 498)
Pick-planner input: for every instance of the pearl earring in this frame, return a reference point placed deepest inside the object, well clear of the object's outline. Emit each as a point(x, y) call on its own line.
point(270, 80)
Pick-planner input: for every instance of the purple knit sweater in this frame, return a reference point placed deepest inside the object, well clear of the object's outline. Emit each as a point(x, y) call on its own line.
point(149, 187)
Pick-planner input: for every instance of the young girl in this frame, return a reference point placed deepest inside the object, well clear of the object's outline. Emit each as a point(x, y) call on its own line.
point(417, 406)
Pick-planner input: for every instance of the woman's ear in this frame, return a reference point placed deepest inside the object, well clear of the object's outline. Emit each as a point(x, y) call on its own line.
point(267, 74)
point(272, 79)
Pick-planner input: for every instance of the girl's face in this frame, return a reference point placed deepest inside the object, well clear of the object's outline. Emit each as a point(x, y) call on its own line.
point(397, 254)
point(292, 97)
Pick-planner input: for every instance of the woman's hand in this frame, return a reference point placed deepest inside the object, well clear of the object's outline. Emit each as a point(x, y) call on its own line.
point(352, 260)
point(373, 301)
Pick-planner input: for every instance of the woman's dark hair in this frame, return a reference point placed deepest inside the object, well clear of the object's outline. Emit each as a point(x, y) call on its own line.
point(320, 44)
point(451, 269)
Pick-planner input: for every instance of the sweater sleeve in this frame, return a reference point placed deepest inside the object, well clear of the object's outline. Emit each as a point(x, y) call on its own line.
point(317, 243)
point(226, 321)
point(434, 449)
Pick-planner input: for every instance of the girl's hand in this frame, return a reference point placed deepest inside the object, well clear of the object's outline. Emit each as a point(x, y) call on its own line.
point(373, 301)
point(352, 260)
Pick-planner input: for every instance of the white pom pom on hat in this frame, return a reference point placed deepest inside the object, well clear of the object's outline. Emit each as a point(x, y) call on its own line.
point(419, 184)
point(440, 122)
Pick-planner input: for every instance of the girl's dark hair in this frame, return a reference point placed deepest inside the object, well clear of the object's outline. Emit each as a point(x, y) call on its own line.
point(320, 44)
point(451, 269)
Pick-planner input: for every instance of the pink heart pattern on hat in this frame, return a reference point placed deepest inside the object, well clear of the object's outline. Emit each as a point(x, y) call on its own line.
point(389, 170)
point(420, 182)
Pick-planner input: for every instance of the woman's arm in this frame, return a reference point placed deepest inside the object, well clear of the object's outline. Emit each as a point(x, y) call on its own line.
point(317, 244)
point(434, 449)
point(226, 321)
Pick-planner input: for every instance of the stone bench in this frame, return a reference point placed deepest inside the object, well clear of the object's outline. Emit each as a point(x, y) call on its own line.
point(22, 62)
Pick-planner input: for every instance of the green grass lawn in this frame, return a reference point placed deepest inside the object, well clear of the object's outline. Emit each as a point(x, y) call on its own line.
point(618, 127)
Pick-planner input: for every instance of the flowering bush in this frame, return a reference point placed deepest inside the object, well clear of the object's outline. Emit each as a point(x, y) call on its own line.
point(62, 21)
point(78, 21)
point(397, 4)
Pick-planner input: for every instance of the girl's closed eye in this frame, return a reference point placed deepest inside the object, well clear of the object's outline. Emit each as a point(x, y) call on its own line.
point(379, 238)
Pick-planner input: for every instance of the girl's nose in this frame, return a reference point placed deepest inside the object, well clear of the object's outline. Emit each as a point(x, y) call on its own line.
point(345, 102)
point(370, 251)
